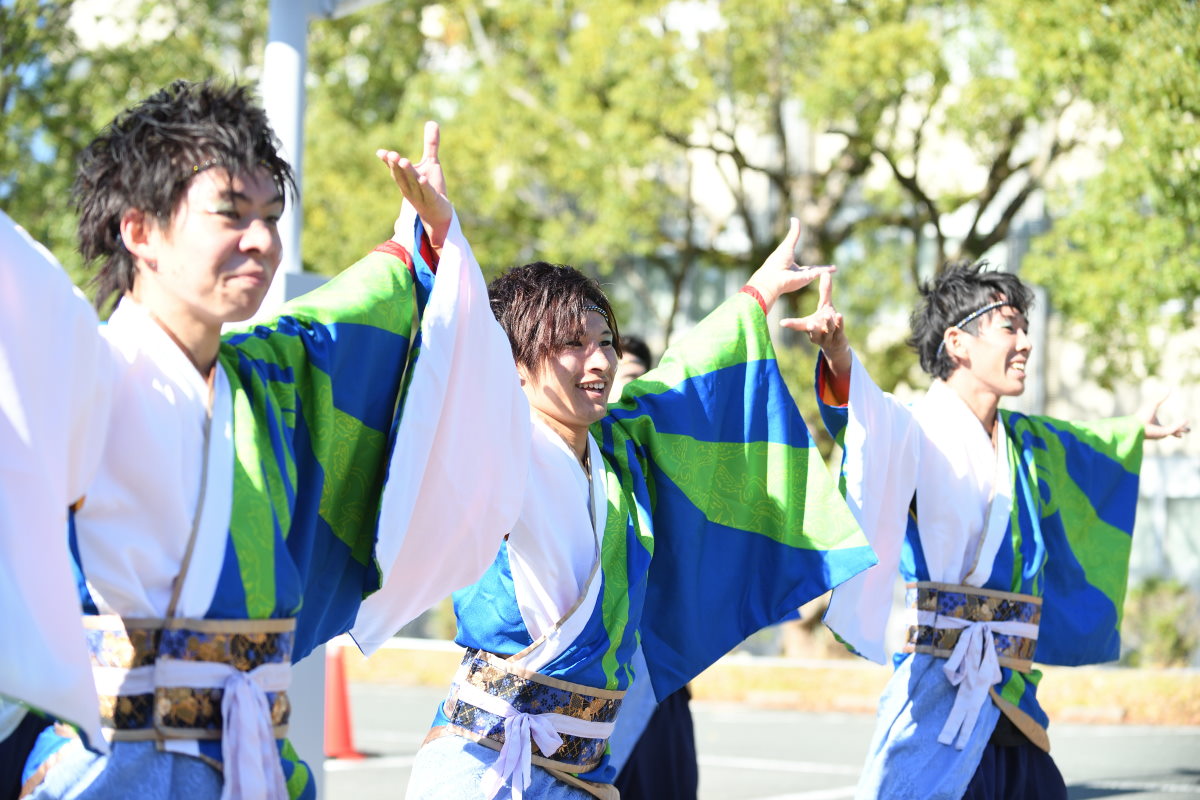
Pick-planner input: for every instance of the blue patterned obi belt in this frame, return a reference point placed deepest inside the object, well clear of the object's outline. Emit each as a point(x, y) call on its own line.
point(940, 614)
point(563, 726)
point(178, 678)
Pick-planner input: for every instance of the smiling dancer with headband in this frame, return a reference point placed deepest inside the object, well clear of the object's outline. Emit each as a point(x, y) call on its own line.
point(1011, 531)
point(661, 530)
point(254, 485)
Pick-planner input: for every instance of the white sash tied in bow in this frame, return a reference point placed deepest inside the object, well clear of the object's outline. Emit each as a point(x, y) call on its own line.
point(974, 668)
point(515, 761)
point(251, 759)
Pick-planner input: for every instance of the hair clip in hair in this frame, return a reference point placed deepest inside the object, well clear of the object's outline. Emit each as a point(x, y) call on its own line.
point(212, 162)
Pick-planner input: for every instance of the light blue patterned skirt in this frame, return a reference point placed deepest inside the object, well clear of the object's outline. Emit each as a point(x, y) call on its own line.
point(905, 758)
point(452, 767)
point(131, 769)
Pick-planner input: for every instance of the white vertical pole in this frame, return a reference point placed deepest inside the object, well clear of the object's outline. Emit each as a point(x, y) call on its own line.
point(282, 89)
point(284, 65)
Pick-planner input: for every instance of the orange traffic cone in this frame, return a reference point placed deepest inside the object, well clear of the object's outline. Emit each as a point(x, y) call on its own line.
point(339, 733)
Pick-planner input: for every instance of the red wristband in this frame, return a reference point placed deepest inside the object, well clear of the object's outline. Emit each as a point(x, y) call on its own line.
point(757, 295)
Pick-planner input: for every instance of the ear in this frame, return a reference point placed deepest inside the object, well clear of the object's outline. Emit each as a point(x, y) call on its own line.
point(522, 373)
point(956, 345)
point(140, 235)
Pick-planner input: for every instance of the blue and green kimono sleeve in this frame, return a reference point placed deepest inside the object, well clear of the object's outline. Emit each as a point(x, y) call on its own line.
point(1076, 496)
point(317, 393)
point(747, 524)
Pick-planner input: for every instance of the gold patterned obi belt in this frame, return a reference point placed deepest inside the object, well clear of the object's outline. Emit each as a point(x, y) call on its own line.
point(179, 678)
point(977, 631)
point(940, 614)
point(530, 718)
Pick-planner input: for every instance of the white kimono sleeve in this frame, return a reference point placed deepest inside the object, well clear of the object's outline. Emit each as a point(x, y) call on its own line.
point(56, 375)
point(882, 453)
point(457, 475)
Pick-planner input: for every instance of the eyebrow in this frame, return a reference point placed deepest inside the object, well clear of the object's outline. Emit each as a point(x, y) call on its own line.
point(233, 194)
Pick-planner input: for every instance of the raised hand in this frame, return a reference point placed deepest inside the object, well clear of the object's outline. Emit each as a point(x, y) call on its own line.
point(423, 185)
point(1155, 429)
point(825, 328)
point(780, 274)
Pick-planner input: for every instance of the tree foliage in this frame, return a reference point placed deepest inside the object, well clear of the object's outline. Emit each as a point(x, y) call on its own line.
point(66, 68)
point(1125, 256)
point(655, 143)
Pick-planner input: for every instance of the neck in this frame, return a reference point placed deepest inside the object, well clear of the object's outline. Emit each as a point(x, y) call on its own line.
point(198, 340)
point(576, 438)
point(982, 402)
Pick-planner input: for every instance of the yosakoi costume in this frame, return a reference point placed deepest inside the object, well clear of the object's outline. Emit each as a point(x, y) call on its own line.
point(48, 453)
point(707, 515)
point(1014, 550)
point(217, 547)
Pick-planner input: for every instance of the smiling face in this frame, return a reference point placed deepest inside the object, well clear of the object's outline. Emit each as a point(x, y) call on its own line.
point(994, 359)
point(570, 388)
point(213, 261)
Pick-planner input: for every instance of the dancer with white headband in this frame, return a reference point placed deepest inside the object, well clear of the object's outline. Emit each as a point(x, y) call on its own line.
point(1011, 531)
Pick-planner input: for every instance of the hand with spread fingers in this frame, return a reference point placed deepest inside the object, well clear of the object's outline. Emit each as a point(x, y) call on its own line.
point(1155, 429)
point(779, 273)
point(423, 185)
point(826, 329)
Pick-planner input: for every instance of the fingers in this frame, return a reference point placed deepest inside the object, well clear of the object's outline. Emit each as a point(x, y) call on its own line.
point(433, 137)
point(793, 236)
point(825, 290)
point(823, 322)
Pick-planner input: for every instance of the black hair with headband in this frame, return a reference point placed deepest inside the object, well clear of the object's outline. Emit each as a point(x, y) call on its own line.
point(960, 297)
point(541, 306)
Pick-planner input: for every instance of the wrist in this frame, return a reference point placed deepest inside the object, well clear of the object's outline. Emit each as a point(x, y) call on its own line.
point(757, 295)
point(838, 359)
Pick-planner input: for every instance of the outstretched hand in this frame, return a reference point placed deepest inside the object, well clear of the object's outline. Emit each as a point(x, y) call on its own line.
point(423, 185)
point(780, 274)
point(825, 328)
point(1155, 429)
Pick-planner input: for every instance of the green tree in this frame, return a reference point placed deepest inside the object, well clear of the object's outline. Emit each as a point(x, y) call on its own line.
point(903, 133)
point(66, 68)
point(1124, 257)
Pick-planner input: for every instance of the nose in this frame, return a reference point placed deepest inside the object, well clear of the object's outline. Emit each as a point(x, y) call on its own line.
point(1024, 343)
point(263, 237)
point(601, 361)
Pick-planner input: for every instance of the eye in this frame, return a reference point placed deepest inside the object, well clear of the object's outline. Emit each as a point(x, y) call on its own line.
point(606, 343)
point(573, 343)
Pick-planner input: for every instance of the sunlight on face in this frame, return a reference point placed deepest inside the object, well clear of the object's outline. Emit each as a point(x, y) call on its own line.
point(570, 389)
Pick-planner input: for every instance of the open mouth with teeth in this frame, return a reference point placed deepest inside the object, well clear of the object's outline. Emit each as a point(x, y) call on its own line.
point(593, 388)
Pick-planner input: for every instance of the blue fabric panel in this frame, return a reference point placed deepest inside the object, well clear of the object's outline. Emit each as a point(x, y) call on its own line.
point(681, 643)
point(741, 403)
point(487, 612)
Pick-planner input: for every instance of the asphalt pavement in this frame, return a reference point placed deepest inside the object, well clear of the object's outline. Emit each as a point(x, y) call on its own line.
point(751, 753)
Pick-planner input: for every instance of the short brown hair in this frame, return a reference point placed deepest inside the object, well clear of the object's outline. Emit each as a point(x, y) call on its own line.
point(541, 306)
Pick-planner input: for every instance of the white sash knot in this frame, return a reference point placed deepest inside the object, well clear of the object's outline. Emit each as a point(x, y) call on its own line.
point(974, 668)
point(515, 762)
point(252, 767)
